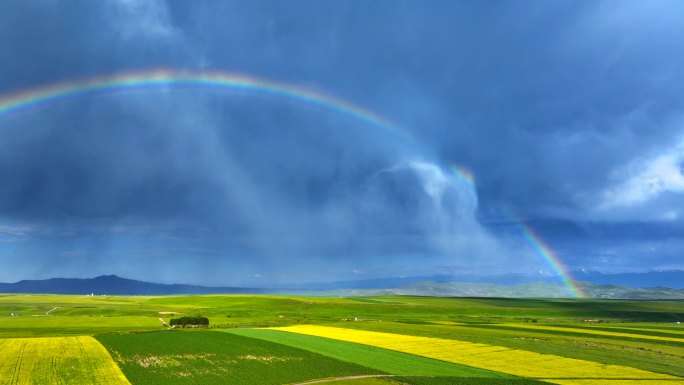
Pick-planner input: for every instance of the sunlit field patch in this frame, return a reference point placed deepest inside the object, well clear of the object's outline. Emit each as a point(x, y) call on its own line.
point(57, 360)
point(547, 367)
point(598, 332)
point(674, 331)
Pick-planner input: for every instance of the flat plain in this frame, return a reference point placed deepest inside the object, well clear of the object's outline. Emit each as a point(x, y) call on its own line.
point(441, 340)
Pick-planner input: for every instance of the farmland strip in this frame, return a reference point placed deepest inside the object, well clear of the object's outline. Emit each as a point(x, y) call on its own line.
point(57, 360)
point(326, 380)
point(546, 367)
point(384, 360)
point(590, 331)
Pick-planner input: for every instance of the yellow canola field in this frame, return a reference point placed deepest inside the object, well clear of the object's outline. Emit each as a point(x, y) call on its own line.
point(596, 332)
point(547, 367)
point(57, 360)
point(638, 329)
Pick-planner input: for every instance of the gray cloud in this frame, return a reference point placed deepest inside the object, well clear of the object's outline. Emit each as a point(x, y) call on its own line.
point(560, 109)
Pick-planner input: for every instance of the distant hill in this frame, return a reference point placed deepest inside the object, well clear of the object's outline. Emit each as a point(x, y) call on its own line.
point(393, 282)
point(646, 285)
point(534, 290)
point(669, 278)
point(650, 285)
point(112, 285)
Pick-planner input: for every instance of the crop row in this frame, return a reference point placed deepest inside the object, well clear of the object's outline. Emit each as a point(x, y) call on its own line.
point(551, 368)
point(57, 360)
point(593, 331)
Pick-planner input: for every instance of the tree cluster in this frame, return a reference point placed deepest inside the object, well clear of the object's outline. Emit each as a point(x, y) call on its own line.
point(189, 321)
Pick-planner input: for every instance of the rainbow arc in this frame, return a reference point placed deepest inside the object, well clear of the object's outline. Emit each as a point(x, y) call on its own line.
point(533, 238)
point(160, 78)
point(157, 79)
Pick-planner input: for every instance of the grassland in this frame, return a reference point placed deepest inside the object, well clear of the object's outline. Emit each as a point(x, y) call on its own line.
point(426, 380)
point(632, 334)
point(57, 360)
point(62, 315)
point(466, 381)
point(73, 325)
point(90, 315)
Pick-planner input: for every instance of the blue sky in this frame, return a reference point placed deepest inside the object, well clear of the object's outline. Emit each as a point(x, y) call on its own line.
point(569, 114)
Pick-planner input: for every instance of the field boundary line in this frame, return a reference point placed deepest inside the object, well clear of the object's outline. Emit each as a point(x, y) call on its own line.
point(17, 366)
point(324, 380)
point(47, 313)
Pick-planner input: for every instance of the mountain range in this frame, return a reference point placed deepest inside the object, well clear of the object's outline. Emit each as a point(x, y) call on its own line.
point(534, 290)
point(114, 285)
point(649, 285)
point(671, 278)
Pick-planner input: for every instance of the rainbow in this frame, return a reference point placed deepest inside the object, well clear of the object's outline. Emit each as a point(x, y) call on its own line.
point(531, 236)
point(159, 78)
point(464, 174)
point(543, 249)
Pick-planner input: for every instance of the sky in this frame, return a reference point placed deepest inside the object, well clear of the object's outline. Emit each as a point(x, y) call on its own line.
point(561, 119)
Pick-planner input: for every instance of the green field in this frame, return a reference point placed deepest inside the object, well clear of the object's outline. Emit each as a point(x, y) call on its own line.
point(384, 360)
point(637, 334)
point(73, 325)
point(207, 357)
point(262, 310)
point(466, 381)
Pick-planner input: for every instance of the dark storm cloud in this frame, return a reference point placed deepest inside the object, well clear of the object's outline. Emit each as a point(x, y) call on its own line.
point(162, 176)
point(556, 107)
point(45, 41)
point(563, 110)
point(542, 101)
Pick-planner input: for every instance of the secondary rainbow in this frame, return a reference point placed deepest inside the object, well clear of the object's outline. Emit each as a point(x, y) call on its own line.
point(159, 78)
